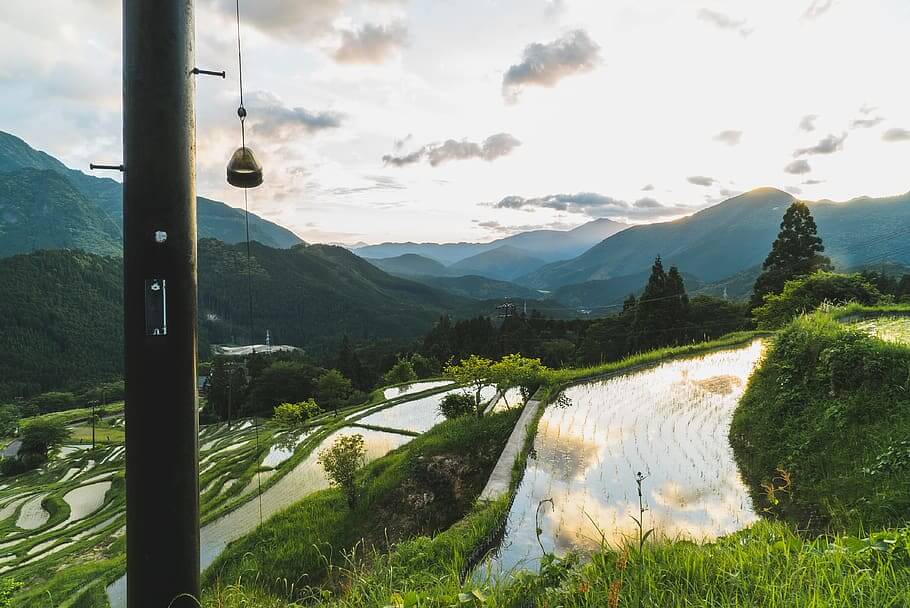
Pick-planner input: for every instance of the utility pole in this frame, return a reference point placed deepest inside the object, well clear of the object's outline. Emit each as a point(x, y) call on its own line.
point(159, 267)
point(94, 403)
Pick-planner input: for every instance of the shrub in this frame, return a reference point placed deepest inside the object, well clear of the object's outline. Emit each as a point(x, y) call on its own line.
point(402, 371)
point(291, 414)
point(12, 466)
point(40, 436)
point(341, 462)
point(333, 389)
point(456, 405)
point(806, 294)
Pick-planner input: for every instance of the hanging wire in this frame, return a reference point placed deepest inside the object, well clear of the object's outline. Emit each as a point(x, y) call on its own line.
point(241, 113)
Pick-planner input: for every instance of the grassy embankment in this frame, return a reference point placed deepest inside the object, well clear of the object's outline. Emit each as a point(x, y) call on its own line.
point(316, 546)
point(829, 408)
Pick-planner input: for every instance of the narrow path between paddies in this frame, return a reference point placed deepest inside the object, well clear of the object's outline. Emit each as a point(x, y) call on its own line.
point(671, 423)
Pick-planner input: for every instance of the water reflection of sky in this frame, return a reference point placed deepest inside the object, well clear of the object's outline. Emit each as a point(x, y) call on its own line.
point(670, 422)
point(416, 387)
point(417, 416)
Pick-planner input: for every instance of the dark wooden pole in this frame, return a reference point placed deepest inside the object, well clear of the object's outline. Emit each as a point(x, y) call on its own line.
point(159, 261)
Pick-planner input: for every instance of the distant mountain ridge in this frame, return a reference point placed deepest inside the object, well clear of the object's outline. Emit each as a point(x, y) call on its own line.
point(548, 245)
point(80, 226)
point(503, 263)
point(736, 235)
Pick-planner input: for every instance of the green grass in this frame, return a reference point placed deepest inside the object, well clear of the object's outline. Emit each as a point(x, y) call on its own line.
point(421, 488)
point(104, 433)
point(558, 377)
point(76, 415)
point(767, 565)
point(830, 406)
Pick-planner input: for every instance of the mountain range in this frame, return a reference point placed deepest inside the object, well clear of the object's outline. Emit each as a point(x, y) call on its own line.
point(46, 205)
point(548, 245)
point(735, 236)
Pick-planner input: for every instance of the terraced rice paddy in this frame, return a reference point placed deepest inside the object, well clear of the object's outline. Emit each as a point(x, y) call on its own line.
point(409, 389)
point(671, 423)
point(888, 328)
point(416, 416)
point(72, 511)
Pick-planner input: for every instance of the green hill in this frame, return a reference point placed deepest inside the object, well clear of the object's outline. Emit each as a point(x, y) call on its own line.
point(101, 197)
point(312, 294)
point(40, 209)
point(63, 310)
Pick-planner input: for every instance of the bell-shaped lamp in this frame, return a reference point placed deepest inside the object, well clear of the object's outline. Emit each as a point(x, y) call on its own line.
point(243, 170)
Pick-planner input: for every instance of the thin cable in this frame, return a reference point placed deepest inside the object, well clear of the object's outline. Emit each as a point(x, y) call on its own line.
point(249, 284)
point(241, 112)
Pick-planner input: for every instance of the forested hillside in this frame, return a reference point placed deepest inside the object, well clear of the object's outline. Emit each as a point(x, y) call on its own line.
point(42, 210)
point(63, 310)
point(62, 317)
point(88, 210)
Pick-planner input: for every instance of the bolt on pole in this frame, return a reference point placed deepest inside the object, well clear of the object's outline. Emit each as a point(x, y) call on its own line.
point(159, 266)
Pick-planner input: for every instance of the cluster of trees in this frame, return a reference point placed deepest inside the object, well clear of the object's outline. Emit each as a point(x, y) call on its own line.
point(38, 437)
point(58, 401)
point(261, 382)
point(664, 315)
point(797, 278)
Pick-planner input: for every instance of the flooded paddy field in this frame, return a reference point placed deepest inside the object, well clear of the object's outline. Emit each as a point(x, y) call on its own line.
point(671, 423)
point(889, 328)
point(72, 510)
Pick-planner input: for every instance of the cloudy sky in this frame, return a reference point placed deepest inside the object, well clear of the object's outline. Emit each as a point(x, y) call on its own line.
point(446, 120)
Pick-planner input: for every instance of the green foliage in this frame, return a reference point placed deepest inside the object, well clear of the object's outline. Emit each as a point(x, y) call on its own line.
point(425, 367)
point(474, 373)
point(765, 565)
point(828, 405)
point(662, 310)
point(515, 371)
point(341, 462)
point(292, 414)
point(283, 382)
point(62, 317)
point(795, 253)
point(8, 588)
point(40, 436)
point(349, 364)
point(9, 420)
point(401, 372)
point(333, 390)
point(227, 385)
point(805, 294)
point(456, 405)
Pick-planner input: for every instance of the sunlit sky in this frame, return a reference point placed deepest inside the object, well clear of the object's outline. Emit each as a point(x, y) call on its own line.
point(442, 120)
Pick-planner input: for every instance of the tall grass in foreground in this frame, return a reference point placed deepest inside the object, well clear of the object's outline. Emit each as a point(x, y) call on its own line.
point(767, 565)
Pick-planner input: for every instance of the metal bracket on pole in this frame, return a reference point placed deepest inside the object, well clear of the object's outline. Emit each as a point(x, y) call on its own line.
point(198, 71)
point(94, 166)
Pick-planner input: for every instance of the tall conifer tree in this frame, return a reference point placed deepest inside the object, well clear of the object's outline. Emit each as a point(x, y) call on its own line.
point(795, 253)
